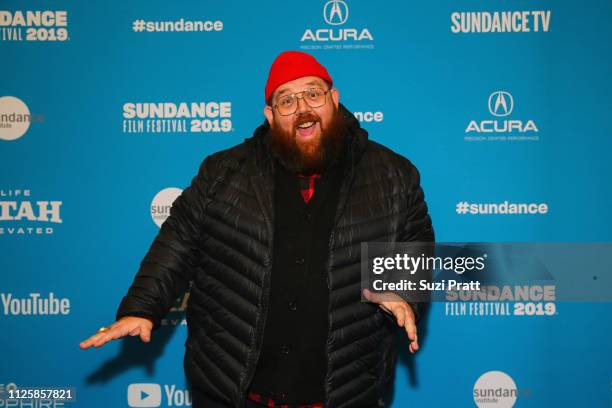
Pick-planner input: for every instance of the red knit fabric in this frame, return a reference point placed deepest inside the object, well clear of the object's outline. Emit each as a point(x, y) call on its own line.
point(291, 65)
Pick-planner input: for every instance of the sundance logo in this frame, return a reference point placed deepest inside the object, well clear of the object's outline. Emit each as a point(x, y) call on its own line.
point(150, 395)
point(173, 117)
point(37, 25)
point(500, 22)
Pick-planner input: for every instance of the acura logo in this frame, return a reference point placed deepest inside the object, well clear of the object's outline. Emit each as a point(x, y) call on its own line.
point(501, 103)
point(335, 12)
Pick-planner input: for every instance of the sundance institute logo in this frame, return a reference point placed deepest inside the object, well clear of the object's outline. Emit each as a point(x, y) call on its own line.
point(162, 203)
point(15, 118)
point(497, 389)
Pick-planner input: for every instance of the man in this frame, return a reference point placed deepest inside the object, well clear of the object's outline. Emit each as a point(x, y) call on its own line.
point(269, 232)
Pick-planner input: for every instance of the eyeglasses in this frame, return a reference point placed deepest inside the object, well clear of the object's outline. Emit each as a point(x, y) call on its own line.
point(314, 97)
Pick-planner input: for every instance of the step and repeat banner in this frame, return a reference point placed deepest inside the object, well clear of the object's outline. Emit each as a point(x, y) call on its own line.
point(108, 107)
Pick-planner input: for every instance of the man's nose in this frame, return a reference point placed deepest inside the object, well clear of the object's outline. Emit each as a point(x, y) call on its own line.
point(302, 107)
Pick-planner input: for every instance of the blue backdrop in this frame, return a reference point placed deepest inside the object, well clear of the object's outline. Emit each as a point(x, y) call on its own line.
point(494, 102)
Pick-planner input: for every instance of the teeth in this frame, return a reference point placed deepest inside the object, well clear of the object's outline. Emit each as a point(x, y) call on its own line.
point(305, 125)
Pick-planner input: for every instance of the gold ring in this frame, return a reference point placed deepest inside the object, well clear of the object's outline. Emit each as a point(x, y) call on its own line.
point(103, 329)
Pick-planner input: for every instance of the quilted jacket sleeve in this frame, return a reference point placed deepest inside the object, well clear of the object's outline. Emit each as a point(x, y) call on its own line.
point(418, 226)
point(166, 270)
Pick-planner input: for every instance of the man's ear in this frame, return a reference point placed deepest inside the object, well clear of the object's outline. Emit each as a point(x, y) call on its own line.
point(335, 96)
point(268, 114)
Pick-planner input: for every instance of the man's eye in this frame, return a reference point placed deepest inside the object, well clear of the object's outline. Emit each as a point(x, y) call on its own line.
point(312, 94)
point(286, 101)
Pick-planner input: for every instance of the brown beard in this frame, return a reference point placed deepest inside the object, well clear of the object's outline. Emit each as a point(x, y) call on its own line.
point(316, 156)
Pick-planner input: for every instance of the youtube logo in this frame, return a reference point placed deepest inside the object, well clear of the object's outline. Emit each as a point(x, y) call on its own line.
point(144, 395)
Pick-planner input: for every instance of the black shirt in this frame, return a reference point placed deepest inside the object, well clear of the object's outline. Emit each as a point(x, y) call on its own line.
point(293, 362)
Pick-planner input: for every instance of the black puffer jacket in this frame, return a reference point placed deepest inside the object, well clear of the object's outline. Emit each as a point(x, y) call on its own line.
point(219, 235)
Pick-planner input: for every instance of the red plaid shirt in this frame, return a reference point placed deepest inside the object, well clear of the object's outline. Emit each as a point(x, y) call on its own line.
point(307, 185)
point(269, 402)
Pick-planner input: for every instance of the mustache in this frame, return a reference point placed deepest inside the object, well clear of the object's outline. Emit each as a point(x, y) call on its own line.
point(307, 117)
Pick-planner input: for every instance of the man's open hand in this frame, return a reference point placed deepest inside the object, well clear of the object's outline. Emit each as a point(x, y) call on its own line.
point(400, 309)
point(129, 325)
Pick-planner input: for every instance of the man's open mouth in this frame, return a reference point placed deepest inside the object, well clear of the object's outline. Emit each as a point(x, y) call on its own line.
point(306, 125)
point(306, 129)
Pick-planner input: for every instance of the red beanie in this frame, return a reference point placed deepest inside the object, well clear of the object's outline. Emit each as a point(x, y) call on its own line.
point(290, 65)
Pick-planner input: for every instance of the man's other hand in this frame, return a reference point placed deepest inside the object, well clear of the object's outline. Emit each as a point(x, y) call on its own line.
point(400, 309)
point(129, 325)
